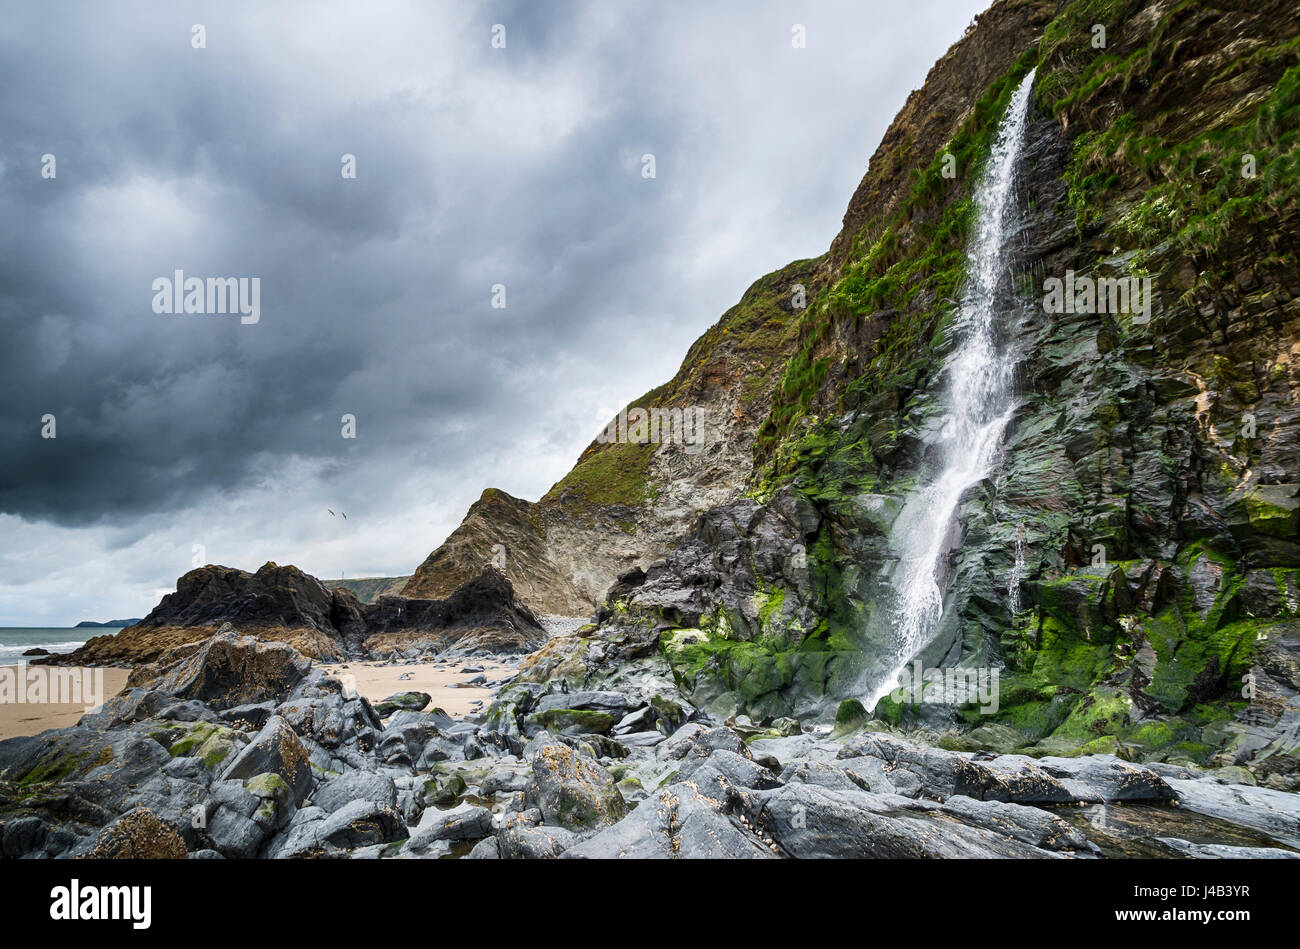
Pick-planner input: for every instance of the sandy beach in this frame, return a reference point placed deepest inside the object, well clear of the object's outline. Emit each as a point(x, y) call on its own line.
point(35, 714)
point(377, 681)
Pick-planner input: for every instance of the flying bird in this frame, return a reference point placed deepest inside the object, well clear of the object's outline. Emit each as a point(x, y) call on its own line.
point(331, 512)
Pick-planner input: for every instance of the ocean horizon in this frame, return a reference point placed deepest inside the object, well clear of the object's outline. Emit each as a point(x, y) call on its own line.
point(16, 640)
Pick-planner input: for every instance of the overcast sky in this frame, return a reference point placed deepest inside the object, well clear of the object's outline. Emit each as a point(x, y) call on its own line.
point(475, 166)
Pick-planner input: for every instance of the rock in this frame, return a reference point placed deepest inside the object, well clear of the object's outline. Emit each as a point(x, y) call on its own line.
point(806, 820)
point(1224, 851)
point(991, 736)
point(407, 701)
point(228, 670)
point(1276, 813)
point(567, 721)
point(274, 808)
point(22, 835)
point(733, 769)
point(641, 720)
point(599, 701)
point(234, 834)
point(481, 614)
point(463, 822)
point(699, 741)
point(676, 822)
point(276, 603)
point(518, 839)
point(572, 790)
point(276, 750)
point(446, 790)
point(248, 717)
point(485, 849)
point(505, 779)
point(787, 727)
point(138, 835)
point(641, 739)
point(210, 743)
point(36, 651)
point(356, 824)
point(333, 794)
point(1104, 778)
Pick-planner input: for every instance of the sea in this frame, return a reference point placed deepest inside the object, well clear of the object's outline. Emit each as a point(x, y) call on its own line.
point(16, 640)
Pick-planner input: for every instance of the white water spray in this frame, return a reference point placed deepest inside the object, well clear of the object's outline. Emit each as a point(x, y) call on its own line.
point(979, 395)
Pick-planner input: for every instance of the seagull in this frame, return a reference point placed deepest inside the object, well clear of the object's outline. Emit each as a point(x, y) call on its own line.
point(345, 517)
point(331, 512)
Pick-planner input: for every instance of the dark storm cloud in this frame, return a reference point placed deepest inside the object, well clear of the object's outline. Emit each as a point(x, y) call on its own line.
point(374, 291)
point(475, 167)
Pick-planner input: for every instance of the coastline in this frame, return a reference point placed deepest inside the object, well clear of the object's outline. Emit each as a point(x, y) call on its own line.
point(33, 717)
point(375, 680)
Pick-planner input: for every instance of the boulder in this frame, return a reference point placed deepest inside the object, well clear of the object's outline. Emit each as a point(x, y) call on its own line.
point(572, 790)
point(335, 793)
point(405, 701)
point(227, 671)
point(463, 822)
point(676, 822)
point(275, 750)
point(138, 835)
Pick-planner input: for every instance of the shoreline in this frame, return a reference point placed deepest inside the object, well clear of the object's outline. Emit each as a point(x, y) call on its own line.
point(376, 680)
point(31, 717)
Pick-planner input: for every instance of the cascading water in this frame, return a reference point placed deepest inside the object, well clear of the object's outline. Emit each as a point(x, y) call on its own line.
point(979, 395)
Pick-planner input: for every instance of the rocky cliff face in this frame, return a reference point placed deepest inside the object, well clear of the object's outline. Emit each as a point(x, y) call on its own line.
point(283, 604)
point(753, 375)
point(1131, 567)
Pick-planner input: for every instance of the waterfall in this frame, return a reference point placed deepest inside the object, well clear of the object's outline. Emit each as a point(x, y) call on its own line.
point(978, 377)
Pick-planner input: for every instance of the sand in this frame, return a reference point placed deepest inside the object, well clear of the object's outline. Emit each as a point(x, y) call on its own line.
point(375, 681)
point(378, 681)
point(34, 717)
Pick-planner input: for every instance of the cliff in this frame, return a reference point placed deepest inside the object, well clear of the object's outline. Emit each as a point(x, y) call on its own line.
point(1131, 567)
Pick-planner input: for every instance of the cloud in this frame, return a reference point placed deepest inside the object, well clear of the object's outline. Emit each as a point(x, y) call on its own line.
point(475, 166)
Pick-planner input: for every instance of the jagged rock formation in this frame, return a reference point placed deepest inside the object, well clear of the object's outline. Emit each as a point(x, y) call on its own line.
point(480, 615)
point(508, 532)
point(283, 604)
